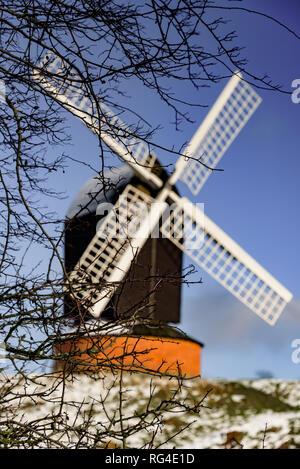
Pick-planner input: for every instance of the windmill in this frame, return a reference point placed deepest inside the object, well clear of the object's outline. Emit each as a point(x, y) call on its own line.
point(109, 255)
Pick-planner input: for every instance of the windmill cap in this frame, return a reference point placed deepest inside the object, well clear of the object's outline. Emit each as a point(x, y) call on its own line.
point(92, 194)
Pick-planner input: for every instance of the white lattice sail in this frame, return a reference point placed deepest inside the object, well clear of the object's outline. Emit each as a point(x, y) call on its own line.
point(60, 81)
point(231, 111)
point(108, 257)
point(227, 262)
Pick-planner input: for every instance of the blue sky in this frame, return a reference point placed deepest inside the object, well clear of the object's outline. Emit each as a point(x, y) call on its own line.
point(255, 199)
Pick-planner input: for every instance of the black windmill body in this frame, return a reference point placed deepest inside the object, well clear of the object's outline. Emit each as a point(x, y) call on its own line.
point(152, 286)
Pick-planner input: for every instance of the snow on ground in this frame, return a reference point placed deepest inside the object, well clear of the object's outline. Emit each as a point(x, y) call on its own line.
point(235, 414)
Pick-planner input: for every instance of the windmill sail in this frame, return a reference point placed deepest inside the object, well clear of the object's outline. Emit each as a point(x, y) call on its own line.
point(226, 261)
point(117, 242)
point(56, 77)
point(223, 123)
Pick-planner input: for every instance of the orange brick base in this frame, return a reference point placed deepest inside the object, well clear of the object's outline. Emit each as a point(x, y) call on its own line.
point(173, 356)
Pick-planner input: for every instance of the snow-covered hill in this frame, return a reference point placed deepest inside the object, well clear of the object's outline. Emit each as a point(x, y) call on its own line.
point(248, 414)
